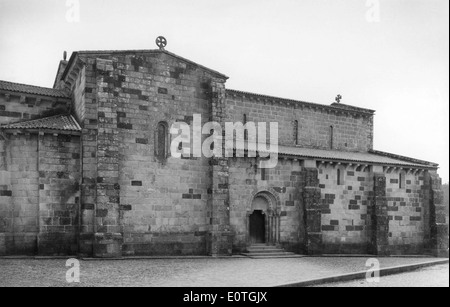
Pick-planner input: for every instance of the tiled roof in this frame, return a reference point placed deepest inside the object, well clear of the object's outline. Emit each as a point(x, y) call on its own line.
point(58, 122)
point(31, 89)
point(357, 157)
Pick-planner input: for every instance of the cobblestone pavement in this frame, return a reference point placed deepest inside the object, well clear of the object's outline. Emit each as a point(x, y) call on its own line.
point(209, 272)
point(436, 276)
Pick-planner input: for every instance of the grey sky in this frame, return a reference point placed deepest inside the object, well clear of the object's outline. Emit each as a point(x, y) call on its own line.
point(302, 49)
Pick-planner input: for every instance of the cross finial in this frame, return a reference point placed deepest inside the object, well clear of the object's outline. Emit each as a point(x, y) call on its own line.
point(339, 98)
point(161, 42)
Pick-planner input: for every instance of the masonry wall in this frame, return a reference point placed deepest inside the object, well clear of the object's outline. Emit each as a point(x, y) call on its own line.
point(160, 205)
point(409, 216)
point(345, 210)
point(37, 214)
point(283, 182)
point(59, 194)
point(351, 133)
point(15, 107)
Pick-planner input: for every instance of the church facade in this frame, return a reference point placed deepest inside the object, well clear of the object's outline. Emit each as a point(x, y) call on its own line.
point(86, 169)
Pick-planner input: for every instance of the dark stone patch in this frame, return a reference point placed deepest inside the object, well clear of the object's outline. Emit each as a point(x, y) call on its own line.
point(197, 196)
point(393, 181)
point(162, 90)
point(415, 218)
point(289, 203)
point(223, 186)
point(350, 188)
point(361, 179)
point(125, 207)
point(354, 207)
point(101, 213)
point(322, 186)
point(350, 173)
point(125, 126)
point(6, 193)
point(87, 206)
point(142, 141)
point(187, 196)
point(399, 218)
point(10, 114)
point(334, 223)
point(132, 91)
point(121, 114)
point(143, 108)
point(136, 183)
point(328, 228)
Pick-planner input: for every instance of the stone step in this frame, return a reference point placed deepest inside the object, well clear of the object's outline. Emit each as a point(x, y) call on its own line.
point(272, 255)
point(266, 250)
point(259, 247)
point(278, 253)
point(277, 256)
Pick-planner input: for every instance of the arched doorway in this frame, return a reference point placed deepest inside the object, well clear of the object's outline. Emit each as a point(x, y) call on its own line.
point(263, 220)
point(257, 227)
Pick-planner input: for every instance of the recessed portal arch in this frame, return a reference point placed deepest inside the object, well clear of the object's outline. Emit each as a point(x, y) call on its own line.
point(263, 219)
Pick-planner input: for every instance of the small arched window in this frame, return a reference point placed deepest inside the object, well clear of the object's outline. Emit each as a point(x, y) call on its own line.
point(296, 132)
point(161, 141)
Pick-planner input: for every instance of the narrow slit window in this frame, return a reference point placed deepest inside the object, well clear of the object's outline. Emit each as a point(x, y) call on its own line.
point(402, 180)
point(161, 141)
point(296, 132)
point(245, 131)
point(264, 174)
point(331, 137)
point(340, 177)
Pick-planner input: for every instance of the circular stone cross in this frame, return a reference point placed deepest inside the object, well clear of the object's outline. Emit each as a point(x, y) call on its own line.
point(161, 41)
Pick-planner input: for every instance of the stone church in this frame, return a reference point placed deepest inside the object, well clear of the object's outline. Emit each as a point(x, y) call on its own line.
point(86, 170)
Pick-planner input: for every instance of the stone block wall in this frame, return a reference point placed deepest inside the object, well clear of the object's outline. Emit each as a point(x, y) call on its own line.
point(350, 133)
point(345, 214)
point(59, 194)
point(16, 107)
point(409, 227)
point(39, 194)
point(283, 183)
point(158, 206)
